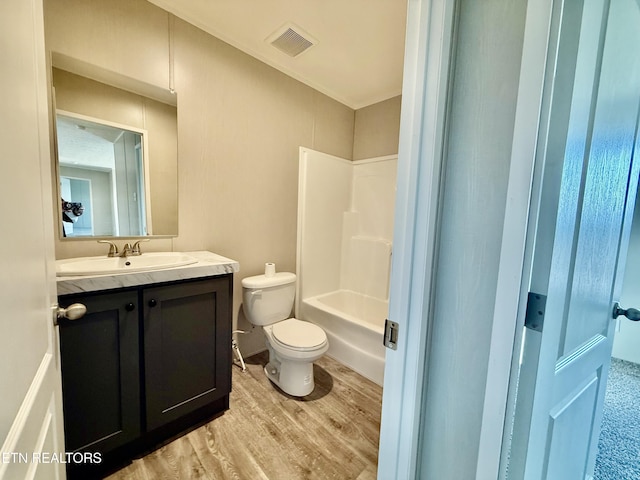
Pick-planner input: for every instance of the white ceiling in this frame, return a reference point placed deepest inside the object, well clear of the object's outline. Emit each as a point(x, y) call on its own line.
point(359, 53)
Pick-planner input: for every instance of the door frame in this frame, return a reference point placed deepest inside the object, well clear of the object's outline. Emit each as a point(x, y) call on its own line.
point(518, 236)
point(428, 55)
point(430, 50)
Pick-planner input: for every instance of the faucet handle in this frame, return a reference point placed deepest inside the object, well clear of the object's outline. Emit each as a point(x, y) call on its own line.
point(135, 250)
point(113, 250)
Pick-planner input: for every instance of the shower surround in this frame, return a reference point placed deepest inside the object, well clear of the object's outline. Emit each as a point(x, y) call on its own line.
point(345, 229)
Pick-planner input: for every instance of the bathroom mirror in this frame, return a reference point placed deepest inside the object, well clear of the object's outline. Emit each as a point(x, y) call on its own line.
point(103, 172)
point(116, 160)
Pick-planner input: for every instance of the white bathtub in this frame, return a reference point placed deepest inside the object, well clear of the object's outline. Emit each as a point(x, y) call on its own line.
point(354, 324)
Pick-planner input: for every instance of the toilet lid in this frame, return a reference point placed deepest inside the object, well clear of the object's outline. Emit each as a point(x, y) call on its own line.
point(297, 334)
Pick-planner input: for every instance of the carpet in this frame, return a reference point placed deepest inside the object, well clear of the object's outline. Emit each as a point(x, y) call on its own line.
point(619, 445)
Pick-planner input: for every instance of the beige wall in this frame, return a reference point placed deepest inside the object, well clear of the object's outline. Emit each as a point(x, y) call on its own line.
point(240, 123)
point(377, 128)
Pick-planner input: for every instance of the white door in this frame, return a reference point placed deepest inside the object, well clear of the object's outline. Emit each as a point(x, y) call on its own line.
point(31, 428)
point(584, 216)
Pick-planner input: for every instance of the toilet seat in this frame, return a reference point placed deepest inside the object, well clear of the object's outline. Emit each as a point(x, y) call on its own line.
point(297, 335)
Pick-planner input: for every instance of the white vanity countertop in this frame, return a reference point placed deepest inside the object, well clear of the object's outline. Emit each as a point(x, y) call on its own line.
point(208, 264)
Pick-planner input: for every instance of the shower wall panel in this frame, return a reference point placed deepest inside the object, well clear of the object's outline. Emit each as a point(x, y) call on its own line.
point(324, 194)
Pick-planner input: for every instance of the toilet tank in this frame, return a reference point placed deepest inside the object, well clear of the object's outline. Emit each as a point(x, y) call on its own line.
point(268, 299)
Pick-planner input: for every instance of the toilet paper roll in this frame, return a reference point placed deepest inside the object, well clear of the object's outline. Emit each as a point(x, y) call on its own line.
point(269, 269)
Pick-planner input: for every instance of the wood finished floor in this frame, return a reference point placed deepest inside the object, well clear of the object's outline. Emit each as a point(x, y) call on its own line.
point(332, 433)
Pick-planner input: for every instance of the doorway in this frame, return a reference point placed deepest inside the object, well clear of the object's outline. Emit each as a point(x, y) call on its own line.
point(77, 190)
point(580, 225)
point(620, 432)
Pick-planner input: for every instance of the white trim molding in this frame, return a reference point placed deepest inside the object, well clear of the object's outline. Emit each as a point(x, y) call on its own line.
point(428, 48)
point(33, 434)
point(508, 305)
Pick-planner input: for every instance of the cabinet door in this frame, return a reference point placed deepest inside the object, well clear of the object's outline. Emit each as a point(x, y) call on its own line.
point(187, 340)
point(100, 372)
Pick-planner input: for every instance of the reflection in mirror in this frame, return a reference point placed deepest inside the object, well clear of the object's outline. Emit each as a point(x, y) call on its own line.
point(117, 157)
point(102, 178)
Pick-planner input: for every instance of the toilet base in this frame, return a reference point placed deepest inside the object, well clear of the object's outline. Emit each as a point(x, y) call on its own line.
point(294, 378)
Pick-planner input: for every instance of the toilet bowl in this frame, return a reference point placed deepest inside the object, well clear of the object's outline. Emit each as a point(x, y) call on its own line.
point(291, 357)
point(293, 344)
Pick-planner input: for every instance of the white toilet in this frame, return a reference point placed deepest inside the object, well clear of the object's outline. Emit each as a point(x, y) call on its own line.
point(293, 344)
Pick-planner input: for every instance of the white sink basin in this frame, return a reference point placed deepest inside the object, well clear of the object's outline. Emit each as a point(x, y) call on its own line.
point(110, 265)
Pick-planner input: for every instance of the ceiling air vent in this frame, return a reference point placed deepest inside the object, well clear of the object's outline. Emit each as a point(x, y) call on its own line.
point(291, 40)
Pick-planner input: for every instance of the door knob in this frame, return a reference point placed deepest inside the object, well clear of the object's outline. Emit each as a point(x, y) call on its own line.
point(72, 312)
point(632, 314)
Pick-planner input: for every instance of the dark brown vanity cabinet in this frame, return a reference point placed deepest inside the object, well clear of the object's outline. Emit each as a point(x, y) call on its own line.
point(187, 348)
point(143, 365)
point(100, 362)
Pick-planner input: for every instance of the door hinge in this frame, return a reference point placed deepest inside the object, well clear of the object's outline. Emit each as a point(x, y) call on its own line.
point(390, 334)
point(536, 304)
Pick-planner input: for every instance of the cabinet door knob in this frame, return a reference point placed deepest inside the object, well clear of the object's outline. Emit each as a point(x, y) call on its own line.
point(152, 303)
point(130, 307)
